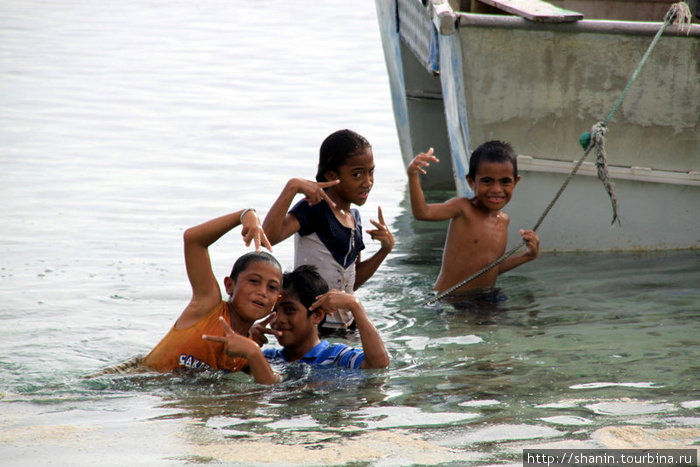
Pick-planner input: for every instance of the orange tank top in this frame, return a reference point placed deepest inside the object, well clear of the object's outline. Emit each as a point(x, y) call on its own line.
point(185, 348)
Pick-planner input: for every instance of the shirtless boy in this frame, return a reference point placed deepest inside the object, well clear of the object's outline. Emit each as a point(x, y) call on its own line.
point(478, 230)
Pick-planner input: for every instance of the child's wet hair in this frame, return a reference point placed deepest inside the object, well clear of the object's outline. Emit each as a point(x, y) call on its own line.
point(336, 149)
point(306, 283)
point(492, 151)
point(247, 259)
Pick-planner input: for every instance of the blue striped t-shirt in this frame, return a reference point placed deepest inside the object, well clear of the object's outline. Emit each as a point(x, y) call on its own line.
point(324, 354)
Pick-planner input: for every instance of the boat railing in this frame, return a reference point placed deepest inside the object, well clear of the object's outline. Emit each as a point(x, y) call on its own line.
point(582, 26)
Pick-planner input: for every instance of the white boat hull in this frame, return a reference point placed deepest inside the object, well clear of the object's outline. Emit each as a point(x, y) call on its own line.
point(539, 87)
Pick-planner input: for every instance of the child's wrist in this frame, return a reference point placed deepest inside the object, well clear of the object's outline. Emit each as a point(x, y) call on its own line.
point(245, 211)
point(252, 351)
point(295, 185)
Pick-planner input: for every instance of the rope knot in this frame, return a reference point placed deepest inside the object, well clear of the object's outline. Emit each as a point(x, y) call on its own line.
point(680, 14)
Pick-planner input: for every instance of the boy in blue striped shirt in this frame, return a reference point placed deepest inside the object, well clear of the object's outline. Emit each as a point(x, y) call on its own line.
point(305, 301)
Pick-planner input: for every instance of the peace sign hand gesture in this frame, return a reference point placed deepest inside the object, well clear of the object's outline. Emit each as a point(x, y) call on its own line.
point(382, 232)
point(314, 191)
point(258, 331)
point(252, 231)
point(235, 345)
point(420, 163)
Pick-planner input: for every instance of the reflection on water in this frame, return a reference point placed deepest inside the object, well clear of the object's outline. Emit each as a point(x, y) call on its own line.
point(120, 131)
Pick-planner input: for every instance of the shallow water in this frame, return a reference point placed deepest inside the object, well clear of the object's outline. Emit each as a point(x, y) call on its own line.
point(123, 124)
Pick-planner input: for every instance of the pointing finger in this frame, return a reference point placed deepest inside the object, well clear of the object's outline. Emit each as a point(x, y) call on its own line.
point(329, 184)
point(269, 318)
point(227, 328)
point(257, 244)
point(325, 196)
point(266, 242)
point(207, 337)
point(319, 301)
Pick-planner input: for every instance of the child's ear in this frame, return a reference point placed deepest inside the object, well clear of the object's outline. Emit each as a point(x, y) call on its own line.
point(470, 181)
point(317, 316)
point(331, 175)
point(229, 284)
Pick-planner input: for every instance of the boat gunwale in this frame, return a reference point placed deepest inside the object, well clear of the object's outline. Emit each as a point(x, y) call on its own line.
point(642, 28)
point(528, 163)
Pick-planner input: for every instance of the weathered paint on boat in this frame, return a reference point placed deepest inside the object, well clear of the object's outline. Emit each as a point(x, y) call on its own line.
point(459, 78)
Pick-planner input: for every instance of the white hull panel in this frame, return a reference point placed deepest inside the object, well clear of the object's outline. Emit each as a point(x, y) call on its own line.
point(459, 79)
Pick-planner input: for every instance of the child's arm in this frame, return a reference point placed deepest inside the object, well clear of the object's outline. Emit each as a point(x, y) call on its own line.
point(421, 210)
point(205, 288)
point(236, 345)
point(532, 241)
point(376, 355)
point(279, 224)
point(365, 269)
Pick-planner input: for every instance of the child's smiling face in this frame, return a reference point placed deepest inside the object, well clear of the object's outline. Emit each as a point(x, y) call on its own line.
point(494, 184)
point(296, 325)
point(255, 290)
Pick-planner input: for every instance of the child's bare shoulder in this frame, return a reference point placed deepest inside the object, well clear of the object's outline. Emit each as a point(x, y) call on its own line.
point(459, 201)
point(459, 206)
point(467, 205)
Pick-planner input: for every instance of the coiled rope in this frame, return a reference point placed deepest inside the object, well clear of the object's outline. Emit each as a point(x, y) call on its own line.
point(677, 13)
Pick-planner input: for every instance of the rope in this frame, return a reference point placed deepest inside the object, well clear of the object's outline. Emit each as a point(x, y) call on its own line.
point(602, 165)
point(679, 11)
point(589, 140)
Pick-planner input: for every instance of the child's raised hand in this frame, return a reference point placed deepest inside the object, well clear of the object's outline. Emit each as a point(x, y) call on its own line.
point(334, 299)
point(532, 242)
point(258, 330)
point(314, 191)
point(252, 231)
point(420, 162)
point(235, 345)
point(382, 232)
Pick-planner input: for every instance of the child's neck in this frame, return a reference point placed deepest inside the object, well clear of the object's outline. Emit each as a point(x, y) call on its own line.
point(294, 353)
point(341, 204)
point(237, 324)
point(342, 211)
point(484, 209)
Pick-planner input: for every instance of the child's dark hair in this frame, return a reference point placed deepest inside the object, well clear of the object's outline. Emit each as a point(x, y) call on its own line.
point(306, 283)
point(336, 149)
point(249, 258)
point(492, 151)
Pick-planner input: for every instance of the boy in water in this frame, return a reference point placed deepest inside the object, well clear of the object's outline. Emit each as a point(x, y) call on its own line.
point(478, 230)
point(303, 305)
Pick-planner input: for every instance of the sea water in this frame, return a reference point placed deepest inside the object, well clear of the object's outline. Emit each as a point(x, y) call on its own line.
point(124, 123)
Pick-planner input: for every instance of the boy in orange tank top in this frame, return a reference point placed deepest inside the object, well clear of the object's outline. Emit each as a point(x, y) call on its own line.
point(253, 288)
